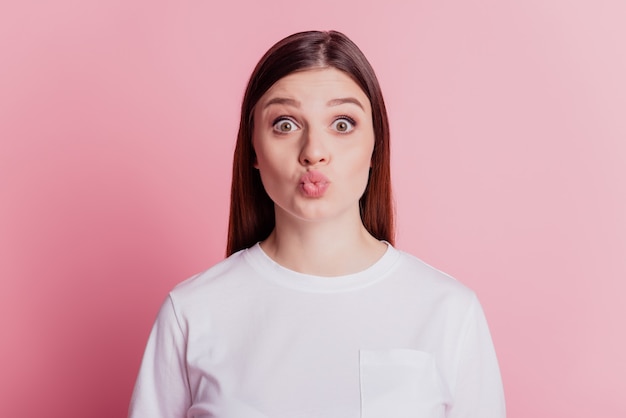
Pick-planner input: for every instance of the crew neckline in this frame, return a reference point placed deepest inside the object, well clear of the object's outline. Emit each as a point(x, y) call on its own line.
point(285, 277)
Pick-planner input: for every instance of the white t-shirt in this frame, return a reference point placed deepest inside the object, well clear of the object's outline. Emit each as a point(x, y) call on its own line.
point(249, 338)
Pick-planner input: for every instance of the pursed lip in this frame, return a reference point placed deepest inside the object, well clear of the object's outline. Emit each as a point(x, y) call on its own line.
point(313, 184)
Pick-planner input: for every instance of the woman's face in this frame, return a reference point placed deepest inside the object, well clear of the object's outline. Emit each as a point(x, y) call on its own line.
point(313, 137)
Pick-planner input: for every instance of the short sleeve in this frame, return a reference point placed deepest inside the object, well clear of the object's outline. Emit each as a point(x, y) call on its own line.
point(162, 386)
point(478, 391)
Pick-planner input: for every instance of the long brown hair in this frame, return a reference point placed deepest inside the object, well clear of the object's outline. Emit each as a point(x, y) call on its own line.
point(251, 209)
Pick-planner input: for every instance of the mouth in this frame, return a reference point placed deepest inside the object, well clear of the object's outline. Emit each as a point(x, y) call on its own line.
point(313, 184)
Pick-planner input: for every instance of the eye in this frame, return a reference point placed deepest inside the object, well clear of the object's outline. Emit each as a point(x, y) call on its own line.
point(284, 125)
point(343, 124)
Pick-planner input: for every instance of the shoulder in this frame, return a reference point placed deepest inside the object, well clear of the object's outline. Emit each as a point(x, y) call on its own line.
point(221, 279)
point(429, 282)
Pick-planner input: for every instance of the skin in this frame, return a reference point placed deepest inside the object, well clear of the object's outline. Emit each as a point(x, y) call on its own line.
point(316, 120)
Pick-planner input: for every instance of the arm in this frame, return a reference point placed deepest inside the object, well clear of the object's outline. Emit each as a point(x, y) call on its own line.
point(162, 387)
point(478, 391)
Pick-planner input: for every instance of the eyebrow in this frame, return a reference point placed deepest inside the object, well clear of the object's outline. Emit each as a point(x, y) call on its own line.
point(283, 101)
point(340, 101)
point(296, 103)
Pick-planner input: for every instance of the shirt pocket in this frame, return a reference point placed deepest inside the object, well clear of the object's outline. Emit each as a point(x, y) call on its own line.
point(400, 383)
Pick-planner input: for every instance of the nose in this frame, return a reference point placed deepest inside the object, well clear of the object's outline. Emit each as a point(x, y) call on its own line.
point(314, 150)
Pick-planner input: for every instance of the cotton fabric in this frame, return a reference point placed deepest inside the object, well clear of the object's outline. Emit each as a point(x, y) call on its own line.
point(249, 338)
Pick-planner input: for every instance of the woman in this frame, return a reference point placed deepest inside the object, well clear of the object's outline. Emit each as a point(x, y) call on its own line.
point(315, 313)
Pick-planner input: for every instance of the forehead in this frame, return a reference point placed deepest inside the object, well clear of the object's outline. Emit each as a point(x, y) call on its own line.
point(317, 83)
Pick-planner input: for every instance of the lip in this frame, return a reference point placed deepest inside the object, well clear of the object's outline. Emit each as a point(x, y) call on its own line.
point(313, 184)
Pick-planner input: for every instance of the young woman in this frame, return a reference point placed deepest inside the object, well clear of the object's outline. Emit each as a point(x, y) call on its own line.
point(315, 313)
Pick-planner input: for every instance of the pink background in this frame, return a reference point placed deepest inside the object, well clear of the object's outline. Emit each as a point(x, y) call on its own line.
point(117, 125)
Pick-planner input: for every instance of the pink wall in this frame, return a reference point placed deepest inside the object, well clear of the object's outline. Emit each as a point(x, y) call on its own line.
point(117, 124)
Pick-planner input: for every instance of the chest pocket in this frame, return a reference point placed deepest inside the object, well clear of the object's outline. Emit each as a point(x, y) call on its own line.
point(400, 383)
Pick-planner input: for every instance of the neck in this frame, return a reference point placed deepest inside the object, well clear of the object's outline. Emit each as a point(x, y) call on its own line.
point(323, 248)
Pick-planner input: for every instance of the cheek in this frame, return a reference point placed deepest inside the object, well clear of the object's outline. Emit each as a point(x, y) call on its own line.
point(361, 168)
point(368, 155)
point(270, 164)
point(264, 159)
point(267, 159)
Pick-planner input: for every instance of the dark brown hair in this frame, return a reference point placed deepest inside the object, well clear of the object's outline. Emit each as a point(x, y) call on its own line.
point(251, 209)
